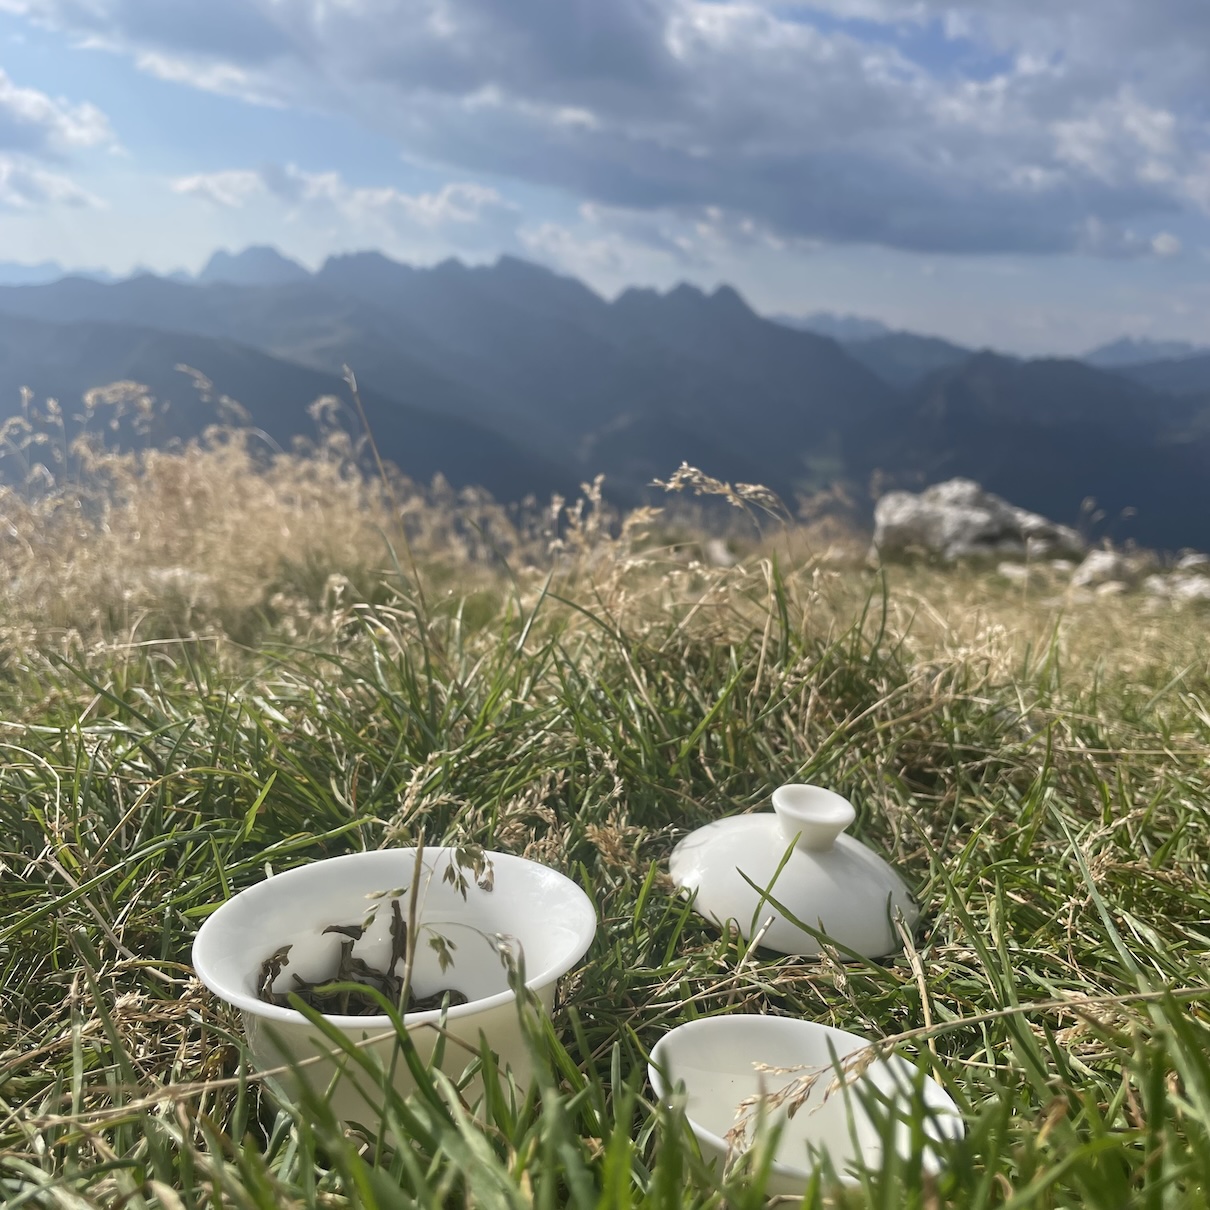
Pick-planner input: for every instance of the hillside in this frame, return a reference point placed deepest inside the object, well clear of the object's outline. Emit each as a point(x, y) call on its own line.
point(1178, 376)
point(1054, 433)
point(517, 349)
point(1129, 352)
point(250, 686)
point(558, 376)
point(903, 360)
point(65, 360)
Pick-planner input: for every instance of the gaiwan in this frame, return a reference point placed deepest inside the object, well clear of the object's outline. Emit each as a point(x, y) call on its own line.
point(296, 929)
point(801, 857)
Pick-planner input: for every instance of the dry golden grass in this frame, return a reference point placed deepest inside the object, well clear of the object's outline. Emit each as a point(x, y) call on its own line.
point(583, 689)
point(219, 537)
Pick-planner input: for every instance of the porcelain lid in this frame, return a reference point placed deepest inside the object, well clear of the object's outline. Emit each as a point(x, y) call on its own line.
point(799, 856)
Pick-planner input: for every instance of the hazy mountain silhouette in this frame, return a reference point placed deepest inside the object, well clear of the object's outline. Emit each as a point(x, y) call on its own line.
point(560, 377)
point(903, 359)
point(255, 266)
point(791, 401)
point(900, 359)
point(844, 328)
point(65, 360)
point(1183, 376)
point(1051, 433)
point(1127, 351)
point(13, 273)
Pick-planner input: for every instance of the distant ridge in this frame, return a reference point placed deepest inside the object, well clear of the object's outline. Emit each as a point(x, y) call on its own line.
point(900, 359)
point(541, 372)
point(63, 360)
point(13, 273)
point(845, 328)
point(1129, 351)
point(903, 359)
point(1181, 376)
point(258, 265)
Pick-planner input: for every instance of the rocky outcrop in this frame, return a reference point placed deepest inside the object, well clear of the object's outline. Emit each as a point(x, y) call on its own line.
point(958, 520)
point(1114, 567)
point(1189, 581)
point(1194, 561)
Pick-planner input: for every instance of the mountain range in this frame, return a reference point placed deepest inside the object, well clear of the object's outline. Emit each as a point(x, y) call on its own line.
point(527, 382)
point(1129, 351)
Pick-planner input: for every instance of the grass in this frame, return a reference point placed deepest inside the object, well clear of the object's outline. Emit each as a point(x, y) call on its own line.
point(1038, 770)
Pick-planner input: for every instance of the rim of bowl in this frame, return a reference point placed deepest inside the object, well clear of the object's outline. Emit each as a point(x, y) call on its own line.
point(579, 910)
point(719, 1021)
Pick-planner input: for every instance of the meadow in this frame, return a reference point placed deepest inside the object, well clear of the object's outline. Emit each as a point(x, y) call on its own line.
point(215, 661)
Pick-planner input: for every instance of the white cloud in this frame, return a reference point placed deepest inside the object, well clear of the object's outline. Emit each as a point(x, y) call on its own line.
point(31, 121)
point(225, 79)
point(616, 245)
point(231, 188)
point(25, 185)
point(458, 204)
point(739, 108)
point(1165, 244)
point(610, 244)
point(1120, 139)
point(585, 256)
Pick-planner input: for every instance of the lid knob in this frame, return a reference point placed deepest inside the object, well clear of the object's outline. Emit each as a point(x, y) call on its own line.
point(812, 815)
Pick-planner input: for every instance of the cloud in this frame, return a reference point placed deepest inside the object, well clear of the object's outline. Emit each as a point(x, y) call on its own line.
point(38, 132)
point(608, 243)
point(247, 31)
point(868, 127)
point(230, 189)
point(460, 203)
point(25, 186)
point(473, 208)
point(612, 246)
point(225, 79)
point(1165, 244)
point(34, 123)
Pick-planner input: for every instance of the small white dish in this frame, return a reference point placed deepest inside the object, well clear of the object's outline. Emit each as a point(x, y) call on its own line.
point(718, 1061)
point(799, 856)
point(539, 913)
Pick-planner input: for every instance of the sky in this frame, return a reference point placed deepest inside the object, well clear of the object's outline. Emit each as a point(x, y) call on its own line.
point(1033, 175)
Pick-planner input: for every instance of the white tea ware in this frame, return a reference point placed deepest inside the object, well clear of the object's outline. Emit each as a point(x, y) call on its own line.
point(801, 857)
point(532, 910)
point(723, 1062)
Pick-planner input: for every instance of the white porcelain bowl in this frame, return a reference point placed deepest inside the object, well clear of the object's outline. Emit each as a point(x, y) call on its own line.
point(542, 914)
point(716, 1060)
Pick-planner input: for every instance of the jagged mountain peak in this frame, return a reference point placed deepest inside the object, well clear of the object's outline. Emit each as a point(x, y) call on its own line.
point(257, 265)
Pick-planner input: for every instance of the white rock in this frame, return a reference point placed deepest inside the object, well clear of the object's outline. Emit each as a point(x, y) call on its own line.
point(717, 554)
point(1194, 561)
point(1099, 567)
point(1111, 588)
point(959, 520)
point(1018, 573)
point(1141, 563)
point(1190, 588)
point(1157, 586)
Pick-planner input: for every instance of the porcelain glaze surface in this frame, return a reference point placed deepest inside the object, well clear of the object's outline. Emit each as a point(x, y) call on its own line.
point(829, 881)
point(539, 914)
point(716, 1060)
